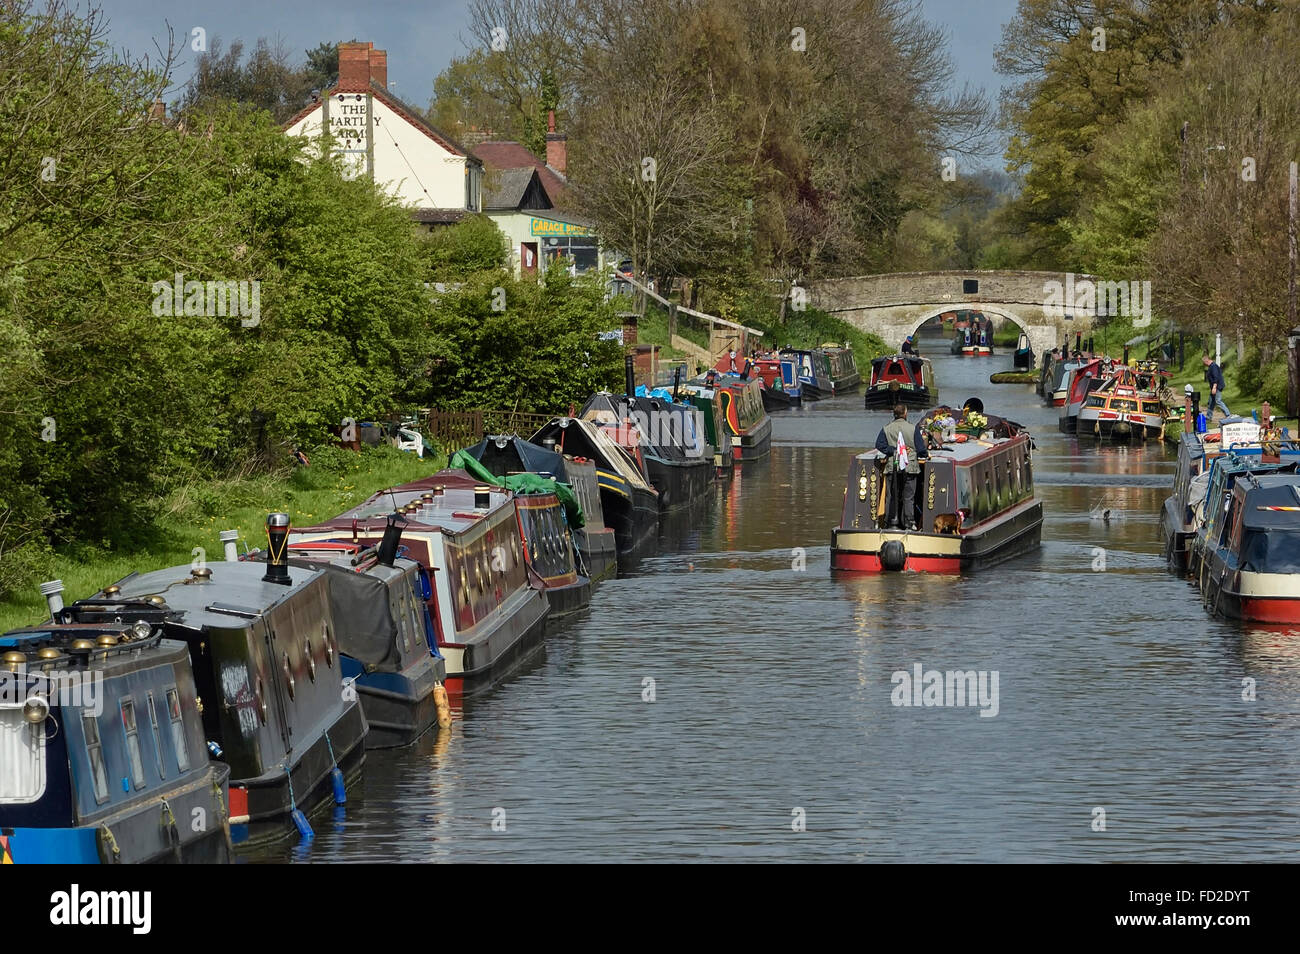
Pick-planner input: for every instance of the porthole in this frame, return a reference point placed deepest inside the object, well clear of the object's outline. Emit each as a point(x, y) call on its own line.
point(289, 682)
point(311, 659)
point(329, 645)
point(261, 700)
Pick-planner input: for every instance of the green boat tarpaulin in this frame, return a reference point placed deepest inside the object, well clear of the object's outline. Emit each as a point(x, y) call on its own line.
point(524, 484)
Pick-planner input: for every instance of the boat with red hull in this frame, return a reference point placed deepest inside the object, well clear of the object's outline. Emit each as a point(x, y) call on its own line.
point(975, 505)
point(1253, 571)
point(487, 617)
point(905, 379)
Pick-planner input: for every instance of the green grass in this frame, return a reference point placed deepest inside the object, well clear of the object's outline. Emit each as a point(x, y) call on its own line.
point(193, 515)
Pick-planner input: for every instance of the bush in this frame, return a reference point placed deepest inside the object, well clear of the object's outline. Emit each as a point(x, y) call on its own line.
point(25, 566)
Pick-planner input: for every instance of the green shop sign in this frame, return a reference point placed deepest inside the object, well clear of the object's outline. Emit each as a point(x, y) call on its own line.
point(550, 227)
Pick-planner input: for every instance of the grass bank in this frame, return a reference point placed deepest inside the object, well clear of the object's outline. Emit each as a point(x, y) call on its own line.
point(193, 515)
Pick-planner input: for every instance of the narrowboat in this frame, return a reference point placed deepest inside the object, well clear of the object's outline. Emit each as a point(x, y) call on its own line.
point(548, 513)
point(388, 648)
point(975, 339)
point(703, 393)
point(264, 646)
point(845, 376)
point(1121, 409)
point(519, 464)
point(781, 388)
point(975, 497)
point(1183, 510)
point(744, 417)
point(1078, 380)
point(901, 379)
point(465, 534)
point(103, 756)
point(630, 504)
point(678, 460)
point(1252, 565)
point(814, 372)
point(1024, 355)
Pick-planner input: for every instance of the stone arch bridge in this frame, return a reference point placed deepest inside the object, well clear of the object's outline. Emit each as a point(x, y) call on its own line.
point(895, 305)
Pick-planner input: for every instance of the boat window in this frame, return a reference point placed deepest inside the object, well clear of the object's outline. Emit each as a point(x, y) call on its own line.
point(22, 756)
point(178, 730)
point(1150, 407)
point(95, 755)
point(1095, 400)
point(132, 733)
point(157, 736)
point(1119, 404)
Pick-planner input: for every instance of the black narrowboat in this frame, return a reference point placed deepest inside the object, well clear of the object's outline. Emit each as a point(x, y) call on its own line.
point(264, 645)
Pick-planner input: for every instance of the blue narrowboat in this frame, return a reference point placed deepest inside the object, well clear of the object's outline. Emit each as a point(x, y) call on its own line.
point(102, 751)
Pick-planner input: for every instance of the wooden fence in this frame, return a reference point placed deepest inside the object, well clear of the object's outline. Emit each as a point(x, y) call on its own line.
point(452, 430)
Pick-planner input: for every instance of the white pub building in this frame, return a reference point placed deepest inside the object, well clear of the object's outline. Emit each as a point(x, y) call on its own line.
point(388, 140)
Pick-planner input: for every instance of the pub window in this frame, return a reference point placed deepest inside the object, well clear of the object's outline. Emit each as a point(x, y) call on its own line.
point(95, 756)
point(132, 733)
point(178, 730)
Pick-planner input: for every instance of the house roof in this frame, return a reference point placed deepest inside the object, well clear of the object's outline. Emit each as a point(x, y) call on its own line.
point(514, 155)
point(511, 186)
point(402, 108)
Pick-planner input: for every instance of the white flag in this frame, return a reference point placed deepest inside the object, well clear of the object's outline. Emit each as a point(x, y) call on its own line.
point(903, 459)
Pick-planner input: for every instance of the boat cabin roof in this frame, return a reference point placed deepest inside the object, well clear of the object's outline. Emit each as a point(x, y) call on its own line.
point(1272, 501)
point(452, 511)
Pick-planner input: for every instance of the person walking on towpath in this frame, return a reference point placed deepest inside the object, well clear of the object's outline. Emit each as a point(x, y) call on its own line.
point(897, 441)
point(1214, 375)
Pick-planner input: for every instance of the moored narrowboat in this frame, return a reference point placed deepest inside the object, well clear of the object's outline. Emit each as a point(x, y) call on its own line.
point(519, 464)
point(780, 377)
point(678, 459)
point(744, 417)
point(1252, 563)
point(975, 502)
point(630, 504)
point(102, 751)
point(845, 376)
point(901, 379)
point(704, 395)
point(487, 617)
point(387, 644)
point(264, 646)
point(814, 372)
point(1024, 355)
point(1078, 380)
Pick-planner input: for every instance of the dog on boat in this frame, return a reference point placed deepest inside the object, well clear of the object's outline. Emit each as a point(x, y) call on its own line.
point(946, 523)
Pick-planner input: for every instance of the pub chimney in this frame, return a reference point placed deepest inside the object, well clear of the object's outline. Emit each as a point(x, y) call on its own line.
point(557, 145)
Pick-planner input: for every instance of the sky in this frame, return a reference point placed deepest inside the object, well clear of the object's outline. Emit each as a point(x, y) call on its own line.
point(422, 36)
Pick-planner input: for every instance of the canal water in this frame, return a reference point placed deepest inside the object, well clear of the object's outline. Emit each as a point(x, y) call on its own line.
point(731, 700)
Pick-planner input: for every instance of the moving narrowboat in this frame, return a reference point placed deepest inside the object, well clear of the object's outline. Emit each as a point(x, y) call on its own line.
point(975, 497)
point(465, 534)
point(814, 371)
point(264, 646)
point(1121, 409)
point(1252, 565)
point(519, 463)
point(387, 644)
point(780, 376)
point(678, 459)
point(103, 756)
point(630, 504)
point(973, 338)
point(901, 379)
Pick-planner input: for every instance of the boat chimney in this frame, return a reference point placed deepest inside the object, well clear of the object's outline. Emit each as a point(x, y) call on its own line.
point(277, 538)
point(1265, 412)
point(629, 374)
point(392, 539)
point(1125, 361)
point(53, 593)
point(228, 538)
point(482, 497)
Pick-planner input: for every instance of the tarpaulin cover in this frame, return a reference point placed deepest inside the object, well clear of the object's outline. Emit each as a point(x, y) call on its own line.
point(518, 455)
point(527, 483)
point(362, 619)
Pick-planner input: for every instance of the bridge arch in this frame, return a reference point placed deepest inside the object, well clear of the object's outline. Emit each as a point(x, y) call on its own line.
point(894, 305)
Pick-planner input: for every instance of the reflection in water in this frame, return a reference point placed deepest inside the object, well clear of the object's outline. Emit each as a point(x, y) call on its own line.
point(772, 691)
